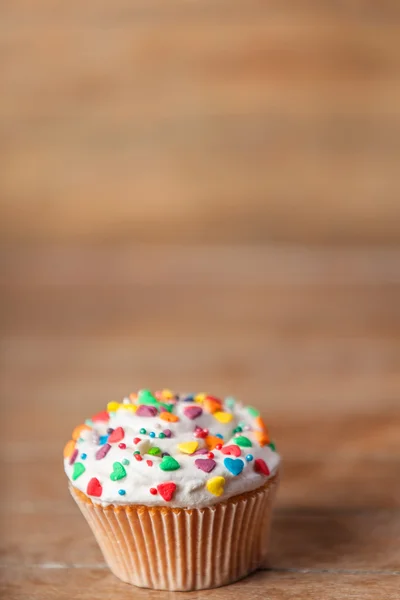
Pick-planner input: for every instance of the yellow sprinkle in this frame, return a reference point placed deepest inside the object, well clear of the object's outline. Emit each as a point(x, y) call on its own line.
point(167, 394)
point(215, 485)
point(130, 407)
point(200, 398)
point(223, 417)
point(113, 406)
point(188, 447)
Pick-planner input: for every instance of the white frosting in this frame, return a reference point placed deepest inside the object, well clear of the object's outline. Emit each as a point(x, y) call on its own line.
point(191, 481)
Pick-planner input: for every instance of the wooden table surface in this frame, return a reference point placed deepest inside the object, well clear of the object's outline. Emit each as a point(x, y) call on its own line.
point(311, 336)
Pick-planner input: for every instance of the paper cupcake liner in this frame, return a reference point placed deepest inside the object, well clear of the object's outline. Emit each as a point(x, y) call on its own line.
point(183, 549)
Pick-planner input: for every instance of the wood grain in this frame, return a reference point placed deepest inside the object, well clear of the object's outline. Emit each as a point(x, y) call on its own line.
point(309, 335)
point(200, 121)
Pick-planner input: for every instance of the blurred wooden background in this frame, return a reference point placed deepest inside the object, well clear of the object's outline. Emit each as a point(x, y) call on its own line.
point(204, 195)
point(211, 120)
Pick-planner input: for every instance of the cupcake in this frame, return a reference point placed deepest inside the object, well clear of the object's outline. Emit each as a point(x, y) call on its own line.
point(177, 488)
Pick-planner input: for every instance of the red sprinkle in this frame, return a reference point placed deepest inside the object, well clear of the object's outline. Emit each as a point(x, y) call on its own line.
point(153, 491)
point(94, 487)
point(210, 455)
point(136, 440)
point(218, 446)
point(122, 446)
point(150, 463)
point(116, 436)
point(101, 416)
point(138, 457)
point(260, 466)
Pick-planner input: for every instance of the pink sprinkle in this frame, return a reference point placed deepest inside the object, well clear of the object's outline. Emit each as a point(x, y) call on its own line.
point(73, 456)
point(102, 452)
point(192, 412)
point(146, 411)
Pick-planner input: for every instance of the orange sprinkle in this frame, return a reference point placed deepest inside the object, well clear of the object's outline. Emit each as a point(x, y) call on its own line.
point(169, 417)
point(261, 437)
point(258, 422)
point(133, 397)
point(69, 448)
point(211, 405)
point(77, 431)
point(211, 441)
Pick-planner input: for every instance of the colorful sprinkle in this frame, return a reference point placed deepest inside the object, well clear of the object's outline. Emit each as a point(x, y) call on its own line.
point(153, 491)
point(161, 435)
point(272, 446)
point(253, 412)
point(113, 406)
point(210, 455)
point(73, 456)
point(232, 449)
point(262, 437)
point(167, 433)
point(138, 457)
point(234, 465)
point(83, 456)
point(136, 440)
point(260, 466)
point(215, 485)
point(78, 430)
point(192, 412)
point(154, 451)
point(249, 457)
point(212, 405)
point(103, 451)
point(219, 435)
point(122, 446)
point(94, 487)
point(118, 472)
point(169, 417)
point(169, 463)
point(218, 447)
point(230, 402)
point(79, 469)
point(101, 416)
point(243, 441)
point(103, 439)
point(149, 462)
point(223, 417)
point(125, 461)
point(142, 431)
point(212, 441)
point(152, 434)
point(69, 448)
point(188, 447)
point(110, 430)
point(205, 464)
point(146, 411)
point(167, 490)
point(237, 430)
point(122, 492)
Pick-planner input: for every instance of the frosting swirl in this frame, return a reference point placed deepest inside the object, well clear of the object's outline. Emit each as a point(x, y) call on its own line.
point(167, 449)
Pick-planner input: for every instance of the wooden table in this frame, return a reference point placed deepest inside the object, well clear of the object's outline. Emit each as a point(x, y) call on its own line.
point(311, 336)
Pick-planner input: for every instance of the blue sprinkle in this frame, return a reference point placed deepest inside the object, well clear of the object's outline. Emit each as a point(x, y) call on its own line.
point(188, 398)
point(152, 434)
point(83, 455)
point(249, 457)
point(103, 439)
point(219, 435)
point(121, 492)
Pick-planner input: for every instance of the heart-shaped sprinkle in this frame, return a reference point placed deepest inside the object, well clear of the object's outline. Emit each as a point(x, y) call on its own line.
point(102, 416)
point(260, 466)
point(232, 450)
point(166, 490)
point(69, 448)
point(154, 451)
point(118, 471)
point(117, 435)
point(79, 468)
point(103, 451)
point(205, 464)
point(215, 485)
point(146, 411)
point(169, 417)
point(261, 437)
point(212, 441)
point(168, 463)
point(188, 447)
point(211, 405)
point(234, 465)
point(146, 397)
point(94, 487)
point(243, 441)
point(223, 417)
point(73, 457)
point(200, 451)
point(113, 406)
point(192, 412)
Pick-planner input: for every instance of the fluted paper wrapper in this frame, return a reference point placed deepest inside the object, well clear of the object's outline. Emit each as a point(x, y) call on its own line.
point(183, 549)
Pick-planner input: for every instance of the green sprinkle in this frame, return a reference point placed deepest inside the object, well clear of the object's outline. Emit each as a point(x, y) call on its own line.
point(137, 452)
point(230, 402)
point(168, 463)
point(146, 397)
point(243, 441)
point(125, 461)
point(154, 451)
point(237, 430)
point(161, 435)
point(79, 468)
point(89, 422)
point(142, 431)
point(118, 472)
point(253, 412)
point(272, 446)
